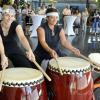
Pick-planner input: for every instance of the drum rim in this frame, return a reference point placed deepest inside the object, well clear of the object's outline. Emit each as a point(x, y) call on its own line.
point(64, 71)
point(68, 71)
point(90, 56)
point(24, 83)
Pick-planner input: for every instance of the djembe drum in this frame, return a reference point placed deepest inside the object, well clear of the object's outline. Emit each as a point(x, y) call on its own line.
point(23, 84)
point(76, 82)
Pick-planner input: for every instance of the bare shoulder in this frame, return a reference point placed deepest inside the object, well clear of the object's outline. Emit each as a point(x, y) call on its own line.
point(19, 26)
point(40, 29)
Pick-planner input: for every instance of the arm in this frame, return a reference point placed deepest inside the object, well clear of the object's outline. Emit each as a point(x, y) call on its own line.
point(1, 47)
point(41, 38)
point(4, 60)
point(66, 44)
point(24, 42)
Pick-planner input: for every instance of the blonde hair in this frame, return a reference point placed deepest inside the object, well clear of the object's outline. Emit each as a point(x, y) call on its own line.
point(8, 9)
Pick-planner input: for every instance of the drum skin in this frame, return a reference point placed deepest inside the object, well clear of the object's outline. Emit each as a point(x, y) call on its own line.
point(24, 93)
point(60, 87)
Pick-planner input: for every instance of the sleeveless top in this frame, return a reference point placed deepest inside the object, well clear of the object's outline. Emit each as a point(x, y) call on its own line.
point(9, 41)
point(52, 39)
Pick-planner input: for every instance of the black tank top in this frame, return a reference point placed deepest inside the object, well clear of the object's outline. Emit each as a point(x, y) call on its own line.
point(52, 39)
point(9, 41)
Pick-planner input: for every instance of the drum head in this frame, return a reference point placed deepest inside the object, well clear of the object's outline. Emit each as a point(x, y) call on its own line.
point(95, 57)
point(22, 77)
point(69, 64)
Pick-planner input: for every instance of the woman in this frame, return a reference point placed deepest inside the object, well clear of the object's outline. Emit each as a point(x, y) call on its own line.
point(28, 18)
point(49, 35)
point(95, 24)
point(29, 13)
point(85, 16)
point(66, 12)
point(77, 21)
point(9, 29)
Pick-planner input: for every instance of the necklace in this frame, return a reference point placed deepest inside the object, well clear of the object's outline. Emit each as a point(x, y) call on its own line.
point(53, 33)
point(52, 30)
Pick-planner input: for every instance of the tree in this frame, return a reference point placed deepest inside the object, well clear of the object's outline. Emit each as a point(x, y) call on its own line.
point(98, 3)
point(5, 2)
point(22, 3)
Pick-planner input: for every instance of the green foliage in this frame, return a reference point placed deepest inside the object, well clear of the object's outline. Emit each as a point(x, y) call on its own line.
point(98, 4)
point(22, 3)
point(7, 2)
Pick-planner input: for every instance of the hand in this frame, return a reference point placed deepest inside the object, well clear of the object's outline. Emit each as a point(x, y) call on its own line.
point(53, 54)
point(76, 51)
point(4, 61)
point(30, 55)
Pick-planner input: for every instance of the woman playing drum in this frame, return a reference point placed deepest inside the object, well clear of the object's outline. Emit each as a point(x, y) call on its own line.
point(49, 35)
point(9, 29)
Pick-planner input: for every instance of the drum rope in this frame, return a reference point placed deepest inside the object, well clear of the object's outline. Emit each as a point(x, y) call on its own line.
point(59, 67)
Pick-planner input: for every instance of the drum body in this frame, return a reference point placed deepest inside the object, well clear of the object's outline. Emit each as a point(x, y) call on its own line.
point(23, 84)
point(76, 82)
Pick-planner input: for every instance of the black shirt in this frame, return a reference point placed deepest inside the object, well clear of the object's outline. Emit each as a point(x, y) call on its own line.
point(52, 39)
point(9, 41)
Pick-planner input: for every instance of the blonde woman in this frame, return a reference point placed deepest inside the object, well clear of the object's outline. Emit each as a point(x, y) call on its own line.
point(9, 30)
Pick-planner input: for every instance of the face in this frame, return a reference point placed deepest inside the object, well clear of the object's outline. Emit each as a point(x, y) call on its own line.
point(52, 20)
point(8, 17)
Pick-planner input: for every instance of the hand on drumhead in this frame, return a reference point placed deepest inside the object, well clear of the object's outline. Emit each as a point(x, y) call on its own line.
point(76, 51)
point(53, 54)
point(4, 61)
point(30, 55)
